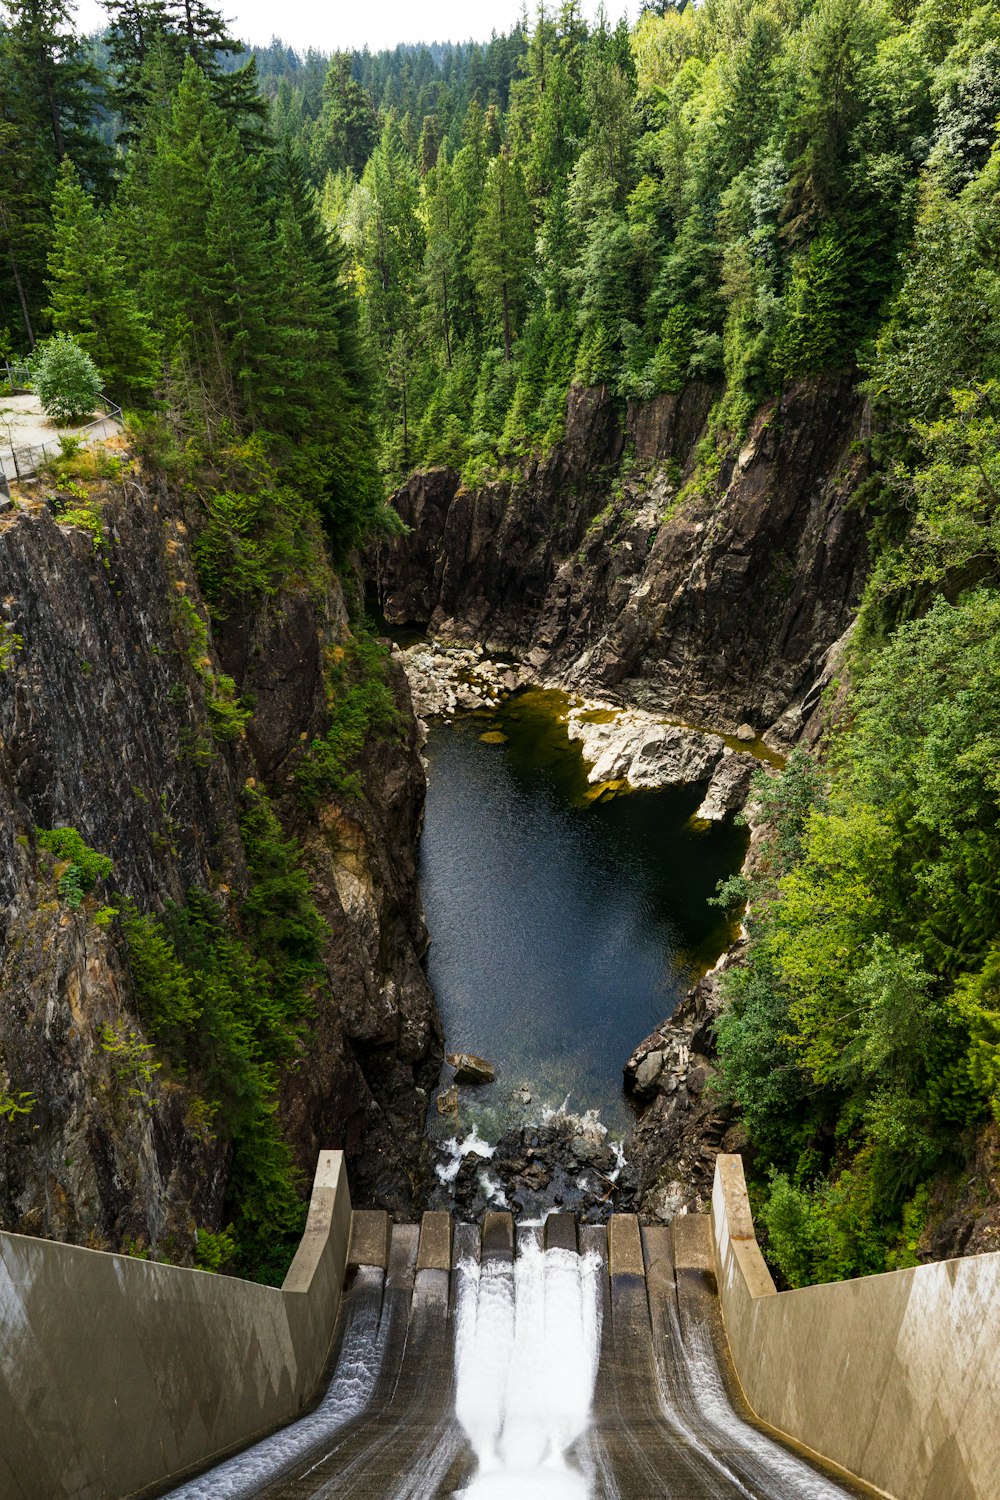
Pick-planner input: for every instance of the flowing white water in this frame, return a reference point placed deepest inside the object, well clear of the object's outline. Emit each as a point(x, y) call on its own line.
point(456, 1150)
point(347, 1395)
point(527, 1346)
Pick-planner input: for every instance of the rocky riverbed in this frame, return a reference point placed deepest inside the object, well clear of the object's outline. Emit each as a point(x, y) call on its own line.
point(624, 748)
point(563, 1162)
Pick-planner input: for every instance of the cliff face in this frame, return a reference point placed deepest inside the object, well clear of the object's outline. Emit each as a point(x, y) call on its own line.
point(105, 726)
point(719, 608)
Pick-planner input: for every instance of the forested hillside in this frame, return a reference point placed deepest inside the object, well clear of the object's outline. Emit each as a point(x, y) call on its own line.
point(307, 276)
point(188, 260)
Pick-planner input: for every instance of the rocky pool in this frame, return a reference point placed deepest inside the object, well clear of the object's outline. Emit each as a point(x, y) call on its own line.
point(564, 927)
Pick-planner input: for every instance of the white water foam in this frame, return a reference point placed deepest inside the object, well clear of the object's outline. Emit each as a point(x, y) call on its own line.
point(527, 1346)
point(455, 1150)
point(589, 1124)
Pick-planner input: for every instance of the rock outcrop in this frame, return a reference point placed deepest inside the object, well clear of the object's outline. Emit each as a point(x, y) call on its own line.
point(638, 748)
point(610, 573)
point(683, 1124)
point(105, 726)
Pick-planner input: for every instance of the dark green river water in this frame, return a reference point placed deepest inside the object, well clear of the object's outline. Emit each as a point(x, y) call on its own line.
point(563, 930)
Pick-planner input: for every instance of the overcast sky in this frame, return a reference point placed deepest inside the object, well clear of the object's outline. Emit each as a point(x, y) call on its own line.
point(379, 23)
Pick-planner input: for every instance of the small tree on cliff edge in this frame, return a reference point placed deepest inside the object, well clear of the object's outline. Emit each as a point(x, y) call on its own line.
point(66, 379)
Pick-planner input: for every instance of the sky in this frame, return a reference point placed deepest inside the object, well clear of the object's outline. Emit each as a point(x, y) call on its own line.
point(379, 23)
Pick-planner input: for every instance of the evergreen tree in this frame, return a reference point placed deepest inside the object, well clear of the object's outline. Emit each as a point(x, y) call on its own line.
point(136, 28)
point(51, 86)
point(440, 259)
point(24, 231)
point(149, 41)
point(209, 262)
point(503, 251)
point(343, 136)
point(90, 296)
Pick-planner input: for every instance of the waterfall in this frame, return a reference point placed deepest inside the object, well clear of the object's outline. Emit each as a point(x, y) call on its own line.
point(527, 1347)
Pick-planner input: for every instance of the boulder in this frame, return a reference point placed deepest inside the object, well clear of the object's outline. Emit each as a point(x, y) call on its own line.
point(471, 1069)
point(729, 787)
point(648, 1071)
point(644, 750)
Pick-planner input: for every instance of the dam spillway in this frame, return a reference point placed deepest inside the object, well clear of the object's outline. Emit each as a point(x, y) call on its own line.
point(504, 1362)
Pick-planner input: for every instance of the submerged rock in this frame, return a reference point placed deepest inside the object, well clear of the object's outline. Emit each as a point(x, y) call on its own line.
point(471, 1069)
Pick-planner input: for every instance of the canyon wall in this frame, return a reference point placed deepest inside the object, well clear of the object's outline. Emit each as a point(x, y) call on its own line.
point(714, 602)
point(106, 727)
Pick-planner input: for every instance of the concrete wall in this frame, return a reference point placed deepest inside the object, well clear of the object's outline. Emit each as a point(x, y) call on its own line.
point(895, 1378)
point(116, 1374)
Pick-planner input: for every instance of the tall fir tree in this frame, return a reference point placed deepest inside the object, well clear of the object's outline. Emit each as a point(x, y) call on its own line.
point(51, 87)
point(503, 251)
point(91, 298)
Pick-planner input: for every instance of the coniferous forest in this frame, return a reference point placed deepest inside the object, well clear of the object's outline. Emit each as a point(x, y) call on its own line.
point(306, 276)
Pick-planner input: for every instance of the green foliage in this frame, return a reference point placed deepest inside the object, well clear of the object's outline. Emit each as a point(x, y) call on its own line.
point(226, 997)
point(132, 1059)
point(85, 866)
point(361, 706)
point(11, 640)
point(228, 714)
point(91, 298)
point(871, 982)
point(215, 1252)
point(14, 1105)
point(258, 534)
point(66, 379)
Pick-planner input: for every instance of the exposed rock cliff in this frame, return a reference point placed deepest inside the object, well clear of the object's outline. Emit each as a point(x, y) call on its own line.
point(105, 726)
point(717, 608)
point(722, 602)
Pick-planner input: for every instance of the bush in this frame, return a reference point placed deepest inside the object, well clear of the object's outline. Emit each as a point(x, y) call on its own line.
point(85, 866)
point(229, 1005)
point(66, 379)
point(361, 706)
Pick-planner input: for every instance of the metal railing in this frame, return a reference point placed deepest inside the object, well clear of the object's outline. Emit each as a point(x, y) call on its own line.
point(23, 462)
point(17, 375)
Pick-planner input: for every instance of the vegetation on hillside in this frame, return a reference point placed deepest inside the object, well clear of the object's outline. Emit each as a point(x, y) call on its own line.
point(308, 274)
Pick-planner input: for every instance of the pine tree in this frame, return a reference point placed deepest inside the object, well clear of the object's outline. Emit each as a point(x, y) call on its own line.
point(346, 130)
point(392, 240)
point(90, 297)
point(439, 261)
point(137, 27)
point(24, 230)
point(209, 260)
point(170, 31)
point(503, 253)
point(51, 86)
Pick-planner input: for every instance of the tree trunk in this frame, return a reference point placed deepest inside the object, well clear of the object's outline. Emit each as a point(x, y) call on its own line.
point(507, 342)
point(447, 328)
point(16, 273)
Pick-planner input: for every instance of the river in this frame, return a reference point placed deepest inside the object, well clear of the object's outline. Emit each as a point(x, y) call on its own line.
point(563, 928)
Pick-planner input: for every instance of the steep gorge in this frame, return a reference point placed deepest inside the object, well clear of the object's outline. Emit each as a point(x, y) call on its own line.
point(649, 559)
point(106, 726)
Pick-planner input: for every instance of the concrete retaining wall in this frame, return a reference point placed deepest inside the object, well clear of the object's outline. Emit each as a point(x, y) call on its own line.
point(895, 1378)
point(117, 1374)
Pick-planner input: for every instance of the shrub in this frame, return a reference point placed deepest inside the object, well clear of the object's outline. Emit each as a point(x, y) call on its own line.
point(215, 1252)
point(361, 705)
point(66, 379)
point(85, 866)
